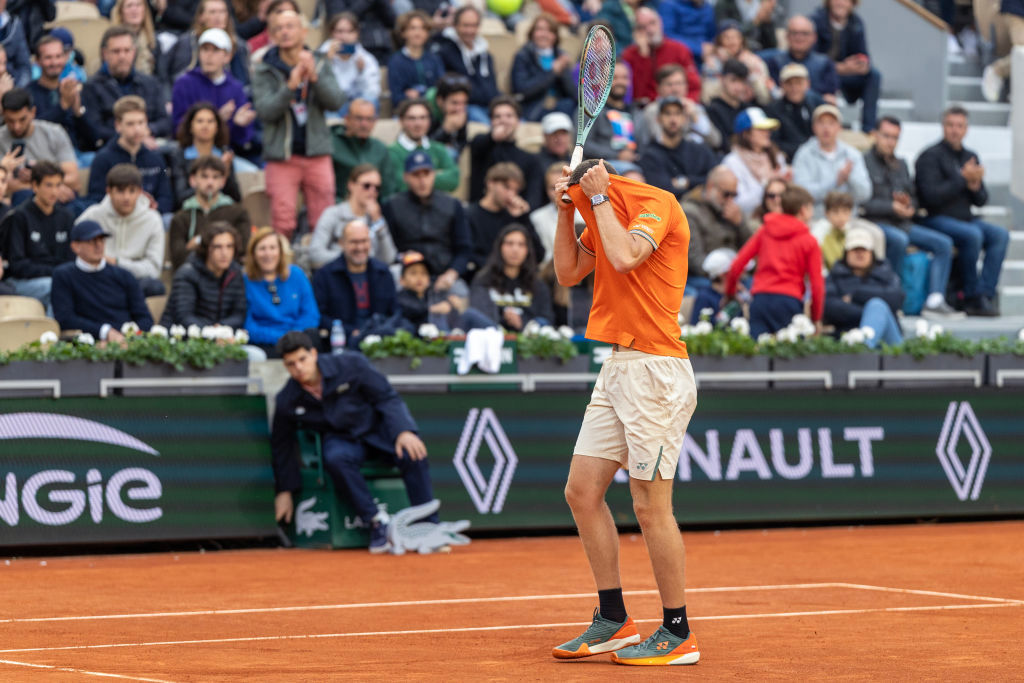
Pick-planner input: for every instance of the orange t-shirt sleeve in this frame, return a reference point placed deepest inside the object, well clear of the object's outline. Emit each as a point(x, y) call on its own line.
point(651, 220)
point(586, 242)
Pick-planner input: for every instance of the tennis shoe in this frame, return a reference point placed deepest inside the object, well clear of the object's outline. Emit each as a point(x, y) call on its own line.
point(379, 542)
point(603, 635)
point(661, 649)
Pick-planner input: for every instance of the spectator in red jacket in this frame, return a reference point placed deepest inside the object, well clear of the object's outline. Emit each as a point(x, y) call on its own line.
point(786, 252)
point(650, 50)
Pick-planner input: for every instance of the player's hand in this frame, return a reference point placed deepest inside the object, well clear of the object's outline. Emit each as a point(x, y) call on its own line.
point(595, 180)
point(562, 188)
point(408, 444)
point(283, 507)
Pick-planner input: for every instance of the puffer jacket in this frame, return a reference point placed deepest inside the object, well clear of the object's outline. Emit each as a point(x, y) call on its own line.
point(198, 297)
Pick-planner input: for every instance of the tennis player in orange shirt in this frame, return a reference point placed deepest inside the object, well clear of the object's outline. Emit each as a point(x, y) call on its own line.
point(636, 241)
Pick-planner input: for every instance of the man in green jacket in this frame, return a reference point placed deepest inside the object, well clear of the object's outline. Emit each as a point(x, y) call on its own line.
point(291, 90)
point(414, 117)
point(354, 144)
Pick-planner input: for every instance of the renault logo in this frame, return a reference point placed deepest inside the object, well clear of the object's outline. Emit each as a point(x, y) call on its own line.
point(961, 423)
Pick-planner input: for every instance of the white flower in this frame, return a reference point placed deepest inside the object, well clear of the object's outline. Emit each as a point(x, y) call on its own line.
point(458, 332)
point(85, 338)
point(566, 332)
point(48, 337)
point(194, 331)
point(787, 334)
point(224, 332)
point(869, 332)
point(703, 327)
point(178, 331)
point(934, 331)
point(429, 331)
point(802, 324)
point(685, 331)
point(370, 340)
point(129, 329)
point(158, 331)
point(548, 332)
point(532, 328)
point(766, 338)
point(208, 332)
point(1020, 335)
point(241, 336)
point(740, 325)
point(921, 328)
point(853, 337)
point(706, 313)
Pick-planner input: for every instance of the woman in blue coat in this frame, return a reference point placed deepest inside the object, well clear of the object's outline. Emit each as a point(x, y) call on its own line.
point(543, 74)
point(279, 294)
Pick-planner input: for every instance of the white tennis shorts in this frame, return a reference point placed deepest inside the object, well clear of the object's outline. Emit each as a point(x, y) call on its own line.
point(638, 413)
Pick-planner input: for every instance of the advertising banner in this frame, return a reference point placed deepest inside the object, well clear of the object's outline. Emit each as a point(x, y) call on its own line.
point(88, 470)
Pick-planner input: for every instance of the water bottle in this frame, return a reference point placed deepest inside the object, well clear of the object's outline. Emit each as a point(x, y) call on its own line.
point(337, 338)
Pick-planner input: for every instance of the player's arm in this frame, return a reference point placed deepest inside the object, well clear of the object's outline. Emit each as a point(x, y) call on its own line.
point(572, 263)
point(625, 250)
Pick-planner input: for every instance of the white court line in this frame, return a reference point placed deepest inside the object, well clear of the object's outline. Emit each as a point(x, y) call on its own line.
point(68, 669)
point(467, 629)
point(456, 601)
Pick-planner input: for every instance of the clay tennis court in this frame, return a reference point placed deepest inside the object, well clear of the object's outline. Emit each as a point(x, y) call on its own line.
point(914, 602)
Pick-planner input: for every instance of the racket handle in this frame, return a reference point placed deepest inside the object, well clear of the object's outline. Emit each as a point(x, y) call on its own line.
point(577, 157)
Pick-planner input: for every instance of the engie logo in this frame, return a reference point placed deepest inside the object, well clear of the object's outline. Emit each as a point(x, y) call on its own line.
point(65, 498)
point(960, 423)
point(488, 494)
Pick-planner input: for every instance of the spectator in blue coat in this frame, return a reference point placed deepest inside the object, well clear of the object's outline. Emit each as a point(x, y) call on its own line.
point(802, 37)
point(357, 413)
point(354, 288)
point(542, 72)
point(413, 69)
point(210, 82)
point(279, 295)
point(842, 38)
point(691, 22)
point(462, 50)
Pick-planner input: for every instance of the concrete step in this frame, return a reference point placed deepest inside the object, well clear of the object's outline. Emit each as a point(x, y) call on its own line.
point(1016, 248)
point(973, 328)
point(996, 215)
point(1011, 300)
point(964, 67)
point(965, 89)
point(1013, 274)
point(987, 113)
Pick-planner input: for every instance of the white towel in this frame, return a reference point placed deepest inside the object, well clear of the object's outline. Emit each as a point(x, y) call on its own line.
point(483, 348)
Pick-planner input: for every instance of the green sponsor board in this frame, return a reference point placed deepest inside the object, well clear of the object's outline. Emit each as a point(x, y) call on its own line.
point(501, 459)
point(100, 470)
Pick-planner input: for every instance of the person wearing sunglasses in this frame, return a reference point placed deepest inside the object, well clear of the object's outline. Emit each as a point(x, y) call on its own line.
point(716, 221)
point(279, 294)
point(363, 203)
point(754, 157)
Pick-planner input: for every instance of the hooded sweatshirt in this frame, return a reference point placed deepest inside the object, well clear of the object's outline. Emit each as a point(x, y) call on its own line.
point(786, 252)
point(136, 240)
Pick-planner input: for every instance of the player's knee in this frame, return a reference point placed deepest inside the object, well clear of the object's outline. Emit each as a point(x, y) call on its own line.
point(649, 509)
point(580, 497)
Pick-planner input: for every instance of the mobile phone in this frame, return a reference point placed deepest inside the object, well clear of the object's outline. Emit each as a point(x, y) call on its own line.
point(18, 146)
point(347, 49)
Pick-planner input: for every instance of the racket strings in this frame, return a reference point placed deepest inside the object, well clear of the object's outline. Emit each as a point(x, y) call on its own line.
point(597, 68)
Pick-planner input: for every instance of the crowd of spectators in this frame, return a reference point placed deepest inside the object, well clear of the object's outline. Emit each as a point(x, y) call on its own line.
point(706, 103)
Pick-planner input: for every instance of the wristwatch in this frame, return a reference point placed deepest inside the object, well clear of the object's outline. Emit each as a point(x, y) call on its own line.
point(598, 199)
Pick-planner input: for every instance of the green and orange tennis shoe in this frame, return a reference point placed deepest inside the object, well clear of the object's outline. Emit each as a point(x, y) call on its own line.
point(663, 648)
point(603, 635)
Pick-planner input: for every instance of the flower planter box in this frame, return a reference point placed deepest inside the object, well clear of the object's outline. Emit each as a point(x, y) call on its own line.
point(839, 365)
point(399, 367)
point(942, 361)
point(578, 365)
point(1005, 361)
point(233, 368)
point(77, 377)
point(732, 364)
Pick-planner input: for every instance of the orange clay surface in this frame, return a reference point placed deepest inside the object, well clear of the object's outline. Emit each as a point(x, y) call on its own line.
point(893, 603)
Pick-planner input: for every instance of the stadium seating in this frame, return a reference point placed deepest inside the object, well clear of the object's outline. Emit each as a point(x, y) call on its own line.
point(20, 306)
point(75, 10)
point(156, 305)
point(15, 332)
point(88, 33)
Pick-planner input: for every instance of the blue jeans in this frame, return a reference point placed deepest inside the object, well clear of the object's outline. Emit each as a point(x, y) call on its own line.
point(35, 287)
point(771, 312)
point(478, 113)
point(343, 458)
point(896, 242)
point(970, 238)
point(878, 316)
point(866, 88)
point(941, 248)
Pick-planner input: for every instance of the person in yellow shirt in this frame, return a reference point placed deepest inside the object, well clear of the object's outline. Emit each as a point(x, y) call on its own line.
point(636, 242)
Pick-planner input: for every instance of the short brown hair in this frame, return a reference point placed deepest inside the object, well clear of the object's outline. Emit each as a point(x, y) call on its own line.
point(213, 230)
point(123, 176)
point(208, 162)
point(505, 171)
point(666, 70)
point(252, 270)
point(504, 100)
point(127, 105)
point(794, 199)
point(838, 200)
point(406, 105)
point(361, 169)
point(405, 19)
point(118, 31)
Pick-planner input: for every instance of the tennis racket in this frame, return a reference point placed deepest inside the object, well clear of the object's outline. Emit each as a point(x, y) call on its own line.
point(597, 66)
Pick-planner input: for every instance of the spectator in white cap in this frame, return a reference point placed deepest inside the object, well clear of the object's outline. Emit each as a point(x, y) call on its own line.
point(210, 82)
point(825, 163)
point(209, 14)
point(559, 138)
point(754, 158)
point(793, 109)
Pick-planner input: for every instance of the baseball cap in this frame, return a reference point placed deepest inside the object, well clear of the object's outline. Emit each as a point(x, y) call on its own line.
point(666, 101)
point(793, 70)
point(418, 161)
point(753, 117)
point(64, 36)
point(217, 37)
point(87, 231)
point(556, 121)
point(718, 262)
point(823, 109)
point(859, 238)
point(411, 258)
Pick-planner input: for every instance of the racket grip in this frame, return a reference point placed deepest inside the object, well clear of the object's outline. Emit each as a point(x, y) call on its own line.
point(577, 157)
